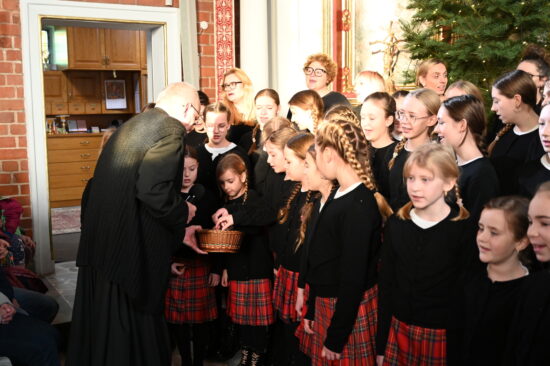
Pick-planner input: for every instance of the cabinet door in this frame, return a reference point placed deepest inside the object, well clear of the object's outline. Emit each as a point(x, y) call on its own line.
point(84, 86)
point(122, 49)
point(86, 48)
point(55, 86)
point(143, 49)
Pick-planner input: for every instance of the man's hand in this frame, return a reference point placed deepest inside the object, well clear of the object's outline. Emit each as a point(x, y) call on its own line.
point(7, 311)
point(190, 238)
point(192, 211)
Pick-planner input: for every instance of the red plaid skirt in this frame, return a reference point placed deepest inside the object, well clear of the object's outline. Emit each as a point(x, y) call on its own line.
point(411, 345)
point(285, 292)
point(189, 299)
point(360, 350)
point(304, 339)
point(250, 302)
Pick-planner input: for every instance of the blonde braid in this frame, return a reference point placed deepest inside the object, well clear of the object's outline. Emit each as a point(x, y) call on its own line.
point(283, 212)
point(500, 133)
point(396, 150)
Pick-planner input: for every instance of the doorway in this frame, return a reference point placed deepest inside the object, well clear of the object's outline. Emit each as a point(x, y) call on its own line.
point(163, 64)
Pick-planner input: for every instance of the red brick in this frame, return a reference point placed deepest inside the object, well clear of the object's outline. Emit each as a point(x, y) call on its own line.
point(13, 55)
point(7, 92)
point(5, 16)
point(10, 29)
point(7, 142)
point(207, 50)
point(10, 4)
point(6, 42)
point(207, 61)
point(6, 67)
point(204, 16)
point(20, 117)
point(10, 166)
point(17, 42)
point(23, 200)
point(17, 68)
point(9, 190)
point(7, 117)
point(26, 211)
point(131, 2)
point(5, 178)
point(18, 129)
point(11, 104)
point(3, 129)
point(14, 79)
point(19, 92)
point(22, 141)
point(24, 189)
point(205, 39)
point(26, 224)
point(205, 6)
point(15, 19)
point(24, 165)
point(2, 79)
point(9, 154)
point(21, 177)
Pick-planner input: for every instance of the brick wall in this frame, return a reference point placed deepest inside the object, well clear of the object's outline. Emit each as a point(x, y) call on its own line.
point(14, 173)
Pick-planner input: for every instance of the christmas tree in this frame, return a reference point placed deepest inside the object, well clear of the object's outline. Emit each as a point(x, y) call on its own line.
point(478, 40)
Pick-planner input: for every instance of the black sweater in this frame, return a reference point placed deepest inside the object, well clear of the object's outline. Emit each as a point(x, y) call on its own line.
point(253, 261)
point(510, 153)
point(478, 183)
point(423, 272)
point(207, 166)
point(289, 257)
point(341, 259)
point(531, 175)
point(398, 190)
point(380, 160)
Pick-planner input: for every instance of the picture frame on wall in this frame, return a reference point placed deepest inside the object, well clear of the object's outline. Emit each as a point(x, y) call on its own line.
point(115, 94)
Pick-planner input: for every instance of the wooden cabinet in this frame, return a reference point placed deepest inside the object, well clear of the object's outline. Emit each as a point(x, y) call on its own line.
point(71, 164)
point(55, 92)
point(103, 49)
point(129, 91)
point(143, 49)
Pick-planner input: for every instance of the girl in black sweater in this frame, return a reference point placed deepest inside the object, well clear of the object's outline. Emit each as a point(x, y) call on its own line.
point(537, 171)
point(514, 99)
point(490, 299)
point(248, 273)
point(377, 116)
point(428, 248)
point(417, 119)
point(340, 257)
point(461, 125)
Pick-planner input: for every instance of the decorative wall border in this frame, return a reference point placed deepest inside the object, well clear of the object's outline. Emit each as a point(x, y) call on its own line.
point(224, 38)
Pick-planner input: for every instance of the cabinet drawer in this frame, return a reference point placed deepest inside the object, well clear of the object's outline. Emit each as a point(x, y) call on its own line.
point(65, 156)
point(93, 108)
point(82, 167)
point(68, 181)
point(60, 108)
point(76, 108)
point(70, 143)
point(63, 194)
point(47, 108)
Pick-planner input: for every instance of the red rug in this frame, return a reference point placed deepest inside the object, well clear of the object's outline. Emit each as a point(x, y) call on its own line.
point(65, 220)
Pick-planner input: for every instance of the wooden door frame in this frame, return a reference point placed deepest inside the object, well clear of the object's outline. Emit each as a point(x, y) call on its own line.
point(164, 66)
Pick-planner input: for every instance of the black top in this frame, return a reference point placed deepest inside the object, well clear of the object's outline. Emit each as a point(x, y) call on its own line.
point(289, 257)
point(241, 135)
point(478, 183)
point(253, 261)
point(341, 258)
point(422, 273)
point(195, 139)
point(529, 336)
point(334, 98)
point(489, 310)
point(380, 160)
point(207, 166)
point(531, 175)
point(510, 153)
point(398, 189)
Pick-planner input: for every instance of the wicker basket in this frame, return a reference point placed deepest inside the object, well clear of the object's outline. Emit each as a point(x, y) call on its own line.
point(220, 241)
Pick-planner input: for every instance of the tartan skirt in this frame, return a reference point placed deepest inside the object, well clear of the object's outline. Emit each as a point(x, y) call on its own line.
point(285, 292)
point(189, 299)
point(360, 350)
point(304, 339)
point(412, 345)
point(250, 302)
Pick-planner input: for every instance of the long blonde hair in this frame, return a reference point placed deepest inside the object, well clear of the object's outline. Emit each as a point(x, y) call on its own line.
point(248, 117)
point(440, 160)
point(349, 141)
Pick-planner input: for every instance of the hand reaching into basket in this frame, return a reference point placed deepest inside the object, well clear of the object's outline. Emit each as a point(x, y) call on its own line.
point(190, 238)
point(222, 219)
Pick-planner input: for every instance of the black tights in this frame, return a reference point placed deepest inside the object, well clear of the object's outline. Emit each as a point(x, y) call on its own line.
point(182, 335)
point(254, 338)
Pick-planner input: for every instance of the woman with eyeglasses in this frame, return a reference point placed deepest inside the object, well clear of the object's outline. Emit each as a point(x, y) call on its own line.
point(320, 70)
point(238, 95)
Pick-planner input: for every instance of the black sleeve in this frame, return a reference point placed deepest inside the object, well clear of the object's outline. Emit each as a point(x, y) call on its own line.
point(385, 286)
point(310, 313)
point(158, 173)
point(480, 190)
point(5, 286)
point(357, 229)
point(255, 212)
